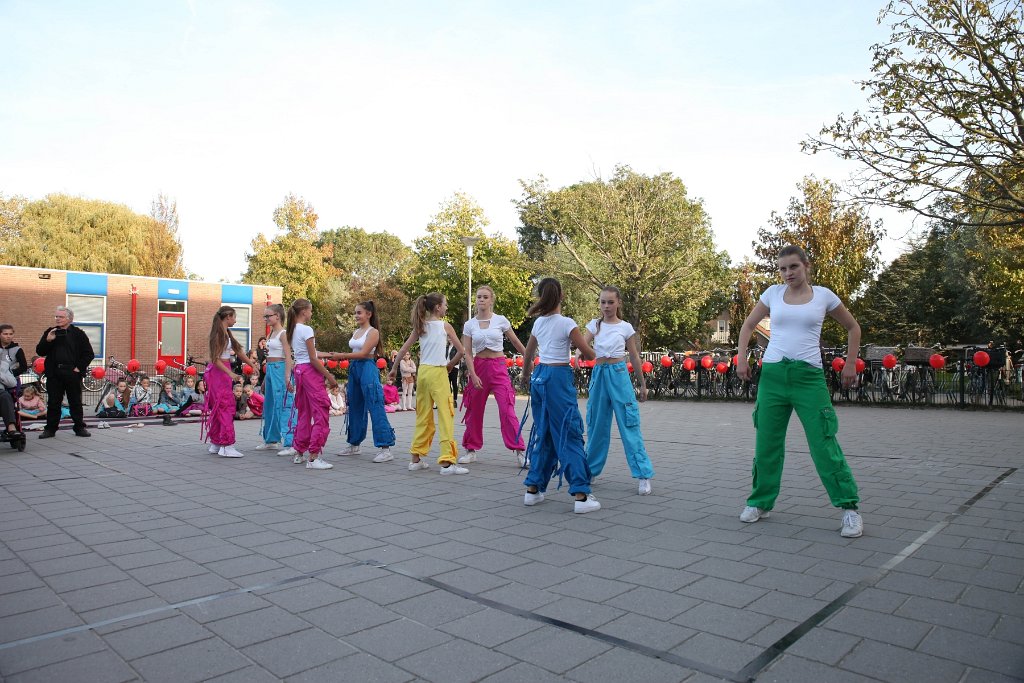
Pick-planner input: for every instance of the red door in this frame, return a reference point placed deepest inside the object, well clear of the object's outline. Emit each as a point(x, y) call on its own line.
point(171, 338)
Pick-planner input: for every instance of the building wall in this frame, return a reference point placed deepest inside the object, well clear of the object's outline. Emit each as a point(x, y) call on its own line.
point(28, 297)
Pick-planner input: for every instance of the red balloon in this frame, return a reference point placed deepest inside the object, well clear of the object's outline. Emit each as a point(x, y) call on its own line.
point(689, 364)
point(246, 369)
point(938, 362)
point(591, 363)
point(381, 363)
point(706, 362)
point(722, 368)
point(191, 371)
point(331, 364)
point(343, 364)
point(519, 361)
point(134, 365)
point(572, 362)
point(736, 359)
point(39, 364)
point(838, 364)
point(648, 366)
point(536, 361)
point(860, 365)
point(629, 367)
point(981, 359)
point(889, 361)
point(509, 362)
point(98, 372)
point(666, 361)
point(160, 366)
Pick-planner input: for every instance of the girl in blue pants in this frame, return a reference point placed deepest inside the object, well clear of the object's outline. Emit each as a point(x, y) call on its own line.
point(365, 393)
point(279, 397)
point(556, 440)
point(611, 392)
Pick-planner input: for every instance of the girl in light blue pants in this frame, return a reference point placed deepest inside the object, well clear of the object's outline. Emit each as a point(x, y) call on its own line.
point(611, 392)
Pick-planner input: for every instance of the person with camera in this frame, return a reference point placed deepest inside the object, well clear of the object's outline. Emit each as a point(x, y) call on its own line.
point(68, 353)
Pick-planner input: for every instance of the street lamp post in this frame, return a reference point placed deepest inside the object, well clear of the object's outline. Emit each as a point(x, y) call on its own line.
point(469, 242)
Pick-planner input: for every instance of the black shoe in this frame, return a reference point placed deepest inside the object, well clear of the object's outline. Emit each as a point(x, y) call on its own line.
point(168, 422)
point(47, 434)
point(82, 432)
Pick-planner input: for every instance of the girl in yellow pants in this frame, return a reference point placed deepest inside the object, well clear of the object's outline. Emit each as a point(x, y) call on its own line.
point(432, 386)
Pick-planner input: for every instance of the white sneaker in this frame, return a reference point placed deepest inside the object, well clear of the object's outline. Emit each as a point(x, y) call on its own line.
point(269, 446)
point(469, 457)
point(533, 498)
point(644, 489)
point(350, 450)
point(230, 452)
point(384, 455)
point(752, 514)
point(287, 451)
point(589, 504)
point(521, 458)
point(853, 525)
point(298, 459)
point(214, 449)
point(318, 464)
point(454, 469)
point(421, 465)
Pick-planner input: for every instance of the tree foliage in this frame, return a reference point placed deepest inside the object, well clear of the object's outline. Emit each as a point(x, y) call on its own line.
point(840, 240)
point(943, 134)
point(292, 259)
point(72, 233)
point(748, 283)
point(947, 288)
point(643, 234)
point(441, 265)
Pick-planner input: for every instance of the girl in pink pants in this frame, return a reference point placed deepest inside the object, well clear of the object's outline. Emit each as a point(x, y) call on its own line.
point(483, 337)
point(219, 412)
point(312, 403)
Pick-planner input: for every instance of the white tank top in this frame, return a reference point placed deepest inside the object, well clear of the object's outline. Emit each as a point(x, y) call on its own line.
point(275, 347)
point(356, 343)
point(434, 344)
point(226, 353)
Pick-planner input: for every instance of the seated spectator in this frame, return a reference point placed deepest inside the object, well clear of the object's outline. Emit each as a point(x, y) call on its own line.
point(115, 403)
point(254, 400)
point(31, 406)
point(167, 401)
point(242, 411)
point(187, 398)
point(12, 364)
point(199, 398)
point(143, 399)
point(391, 400)
point(338, 406)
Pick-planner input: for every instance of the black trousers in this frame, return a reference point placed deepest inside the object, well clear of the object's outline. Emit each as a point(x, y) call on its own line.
point(453, 380)
point(7, 406)
point(60, 383)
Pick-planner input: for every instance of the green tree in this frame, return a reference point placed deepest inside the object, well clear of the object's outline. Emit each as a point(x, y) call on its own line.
point(944, 128)
point(643, 234)
point(72, 233)
point(747, 286)
point(292, 259)
point(369, 266)
point(11, 209)
point(840, 240)
point(440, 262)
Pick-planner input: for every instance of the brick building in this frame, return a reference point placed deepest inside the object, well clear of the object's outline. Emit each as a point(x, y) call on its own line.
point(171, 318)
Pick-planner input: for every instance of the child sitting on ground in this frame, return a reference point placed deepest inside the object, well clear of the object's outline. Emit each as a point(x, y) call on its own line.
point(254, 400)
point(142, 400)
point(242, 411)
point(31, 406)
point(338, 406)
point(115, 402)
point(167, 402)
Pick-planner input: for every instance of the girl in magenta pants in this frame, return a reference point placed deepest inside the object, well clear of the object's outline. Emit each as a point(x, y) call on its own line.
point(312, 404)
point(483, 337)
point(220, 402)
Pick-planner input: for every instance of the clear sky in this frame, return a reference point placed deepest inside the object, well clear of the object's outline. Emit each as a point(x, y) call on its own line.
point(376, 112)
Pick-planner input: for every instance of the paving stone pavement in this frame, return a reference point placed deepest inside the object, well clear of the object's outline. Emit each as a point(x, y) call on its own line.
point(138, 556)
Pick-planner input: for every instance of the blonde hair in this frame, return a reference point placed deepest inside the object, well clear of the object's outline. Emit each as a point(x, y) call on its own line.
point(421, 308)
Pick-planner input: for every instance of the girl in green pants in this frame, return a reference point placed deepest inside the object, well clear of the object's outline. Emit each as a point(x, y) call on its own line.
point(792, 378)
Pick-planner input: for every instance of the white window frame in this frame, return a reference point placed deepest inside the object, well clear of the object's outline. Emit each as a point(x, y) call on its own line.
point(83, 323)
point(246, 329)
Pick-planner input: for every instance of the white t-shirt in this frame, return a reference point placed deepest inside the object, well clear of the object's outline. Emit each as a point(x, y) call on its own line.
point(298, 342)
point(434, 344)
point(552, 333)
point(275, 345)
point(356, 343)
point(796, 328)
point(491, 338)
point(610, 342)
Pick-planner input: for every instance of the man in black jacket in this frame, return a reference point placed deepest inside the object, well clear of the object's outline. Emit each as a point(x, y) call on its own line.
point(68, 353)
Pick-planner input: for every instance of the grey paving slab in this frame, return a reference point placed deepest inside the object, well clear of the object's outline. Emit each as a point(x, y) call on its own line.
point(340, 597)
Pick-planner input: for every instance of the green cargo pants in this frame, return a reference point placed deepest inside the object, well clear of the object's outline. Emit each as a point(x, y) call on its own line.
point(782, 387)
